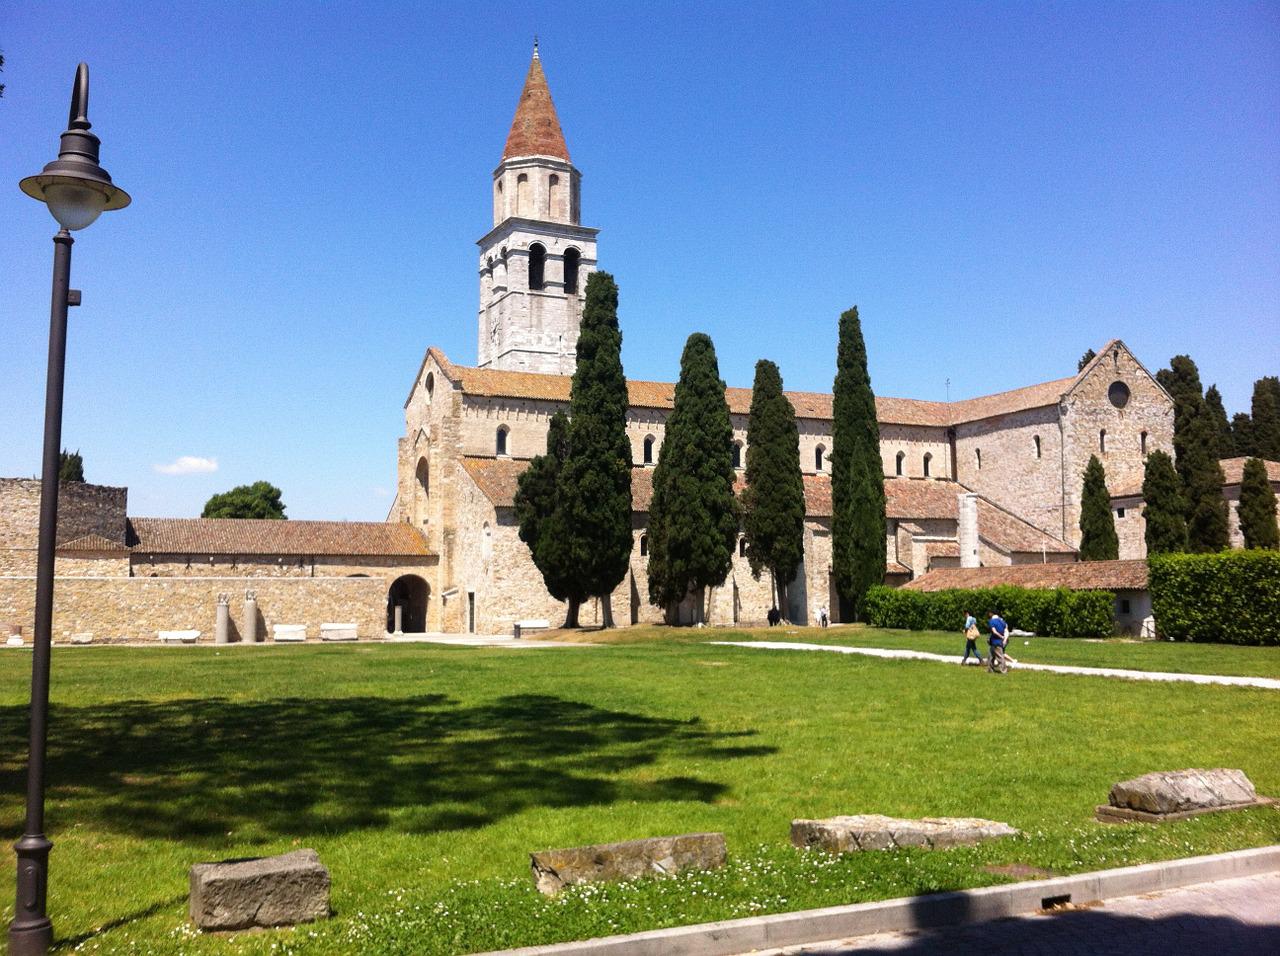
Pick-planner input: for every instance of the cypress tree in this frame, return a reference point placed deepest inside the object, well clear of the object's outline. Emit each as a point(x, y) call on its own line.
point(536, 505)
point(1098, 539)
point(1218, 416)
point(1164, 508)
point(1085, 359)
point(1242, 433)
point(1258, 507)
point(773, 503)
point(693, 517)
point(1195, 445)
point(857, 475)
point(1266, 418)
point(70, 466)
point(594, 484)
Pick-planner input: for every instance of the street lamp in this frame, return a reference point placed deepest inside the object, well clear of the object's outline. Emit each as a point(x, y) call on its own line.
point(77, 190)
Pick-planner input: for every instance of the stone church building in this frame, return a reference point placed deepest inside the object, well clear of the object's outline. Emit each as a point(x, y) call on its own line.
point(981, 483)
point(994, 480)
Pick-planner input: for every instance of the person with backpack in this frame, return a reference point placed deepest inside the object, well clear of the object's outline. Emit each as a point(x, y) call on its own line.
point(996, 642)
point(971, 639)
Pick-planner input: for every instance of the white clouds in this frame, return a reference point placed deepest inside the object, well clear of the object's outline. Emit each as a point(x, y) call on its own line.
point(381, 492)
point(188, 465)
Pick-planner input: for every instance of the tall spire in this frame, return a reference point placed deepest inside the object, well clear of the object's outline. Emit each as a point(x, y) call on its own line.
point(535, 131)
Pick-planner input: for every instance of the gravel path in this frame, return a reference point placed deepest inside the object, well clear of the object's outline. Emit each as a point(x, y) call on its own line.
point(1268, 683)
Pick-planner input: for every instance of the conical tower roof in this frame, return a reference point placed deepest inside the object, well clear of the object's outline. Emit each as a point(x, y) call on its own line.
point(535, 131)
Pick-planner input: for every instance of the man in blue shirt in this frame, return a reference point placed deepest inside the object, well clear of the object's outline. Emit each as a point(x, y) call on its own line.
point(999, 630)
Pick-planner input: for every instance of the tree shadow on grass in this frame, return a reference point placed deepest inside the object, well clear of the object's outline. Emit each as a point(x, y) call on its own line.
point(198, 769)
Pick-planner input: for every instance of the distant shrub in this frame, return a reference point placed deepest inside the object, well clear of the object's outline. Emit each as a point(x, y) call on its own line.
point(1231, 597)
point(1058, 611)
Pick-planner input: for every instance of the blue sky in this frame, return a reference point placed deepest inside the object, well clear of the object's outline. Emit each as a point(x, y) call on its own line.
point(997, 186)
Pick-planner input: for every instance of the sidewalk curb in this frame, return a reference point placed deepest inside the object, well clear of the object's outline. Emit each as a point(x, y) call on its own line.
point(915, 912)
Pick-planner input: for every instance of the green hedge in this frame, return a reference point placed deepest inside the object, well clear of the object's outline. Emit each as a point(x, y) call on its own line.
point(1232, 597)
point(1057, 612)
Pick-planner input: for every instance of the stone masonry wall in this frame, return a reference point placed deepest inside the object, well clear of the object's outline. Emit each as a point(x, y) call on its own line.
point(119, 608)
point(82, 509)
point(1011, 473)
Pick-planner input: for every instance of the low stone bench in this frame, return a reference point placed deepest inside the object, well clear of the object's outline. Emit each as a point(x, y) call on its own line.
point(178, 637)
point(871, 831)
point(270, 891)
point(533, 624)
point(338, 632)
point(85, 637)
point(553, 870)
point(283, 633)
point(1178, 794)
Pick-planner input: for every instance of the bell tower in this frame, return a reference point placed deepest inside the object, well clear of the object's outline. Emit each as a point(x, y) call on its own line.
point(535, 261)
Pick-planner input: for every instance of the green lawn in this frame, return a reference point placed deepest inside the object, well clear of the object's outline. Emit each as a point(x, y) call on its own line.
point(424, 776)
point(1175, 657)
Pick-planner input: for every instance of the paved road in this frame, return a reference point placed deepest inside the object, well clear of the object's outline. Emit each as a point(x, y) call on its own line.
point(1236, 917)
point(1269, 683)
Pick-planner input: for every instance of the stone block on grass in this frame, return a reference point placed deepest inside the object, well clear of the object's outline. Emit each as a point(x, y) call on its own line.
point(872, 831)
point(656, 856)
point(269, 891)
point(1178, 794)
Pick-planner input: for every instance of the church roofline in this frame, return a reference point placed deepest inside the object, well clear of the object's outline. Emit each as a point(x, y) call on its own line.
point(535, 128)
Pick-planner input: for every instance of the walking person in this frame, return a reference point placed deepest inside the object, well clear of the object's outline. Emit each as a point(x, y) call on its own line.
point(971, 639)
point(996, 643)
point(824, 617)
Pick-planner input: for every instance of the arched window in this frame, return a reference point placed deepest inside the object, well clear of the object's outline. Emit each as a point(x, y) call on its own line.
point(537, 265)
point(644, 545)
point(552, 183)
point(737, 454)
point(502, 439)
point(522, 195)
point(977, 457)
point(1037, 441)
point(431, 385)
point(928, 460)
point(1143, 439)
point(648, 449)
point(1102, 441)
point(818, 454)
point(571, 259)
point(742, 546)
point(897, 463)
point(486, 542)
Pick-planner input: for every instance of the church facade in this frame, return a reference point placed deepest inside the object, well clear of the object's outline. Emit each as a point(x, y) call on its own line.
point(985, 481)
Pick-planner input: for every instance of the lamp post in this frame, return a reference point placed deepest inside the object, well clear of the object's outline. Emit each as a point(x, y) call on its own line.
point(77, 190)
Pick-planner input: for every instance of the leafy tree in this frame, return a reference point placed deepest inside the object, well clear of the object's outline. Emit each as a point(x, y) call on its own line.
point(857, 475)
point(1165, 508)
point(693, 517)
point(1085, 359)
point(1098, 539)
point(1218, 415)
point(258, 500)
point(1195, 445)
point(1266, 418)
point(1258, 507)
point(70, 466)
point(1242, 433)
point(594, 485)
point(773, 502)
point(536, 502)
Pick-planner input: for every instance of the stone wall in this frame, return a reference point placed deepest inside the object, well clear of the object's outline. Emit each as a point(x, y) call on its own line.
point(122, 608)
point(998, 458)
point(82, 509)
point(386, 568)
point(1142, 426)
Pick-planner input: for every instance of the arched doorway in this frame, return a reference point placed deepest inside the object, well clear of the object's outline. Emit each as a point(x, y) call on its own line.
point(408, 592)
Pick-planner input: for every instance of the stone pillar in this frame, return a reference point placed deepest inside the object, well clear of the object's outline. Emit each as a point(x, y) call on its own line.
point(399, 612)
point(222, 629)
point(968, 530)
point(249, 632)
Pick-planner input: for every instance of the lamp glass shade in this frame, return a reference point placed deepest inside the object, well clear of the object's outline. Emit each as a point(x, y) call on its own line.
point(75, 206)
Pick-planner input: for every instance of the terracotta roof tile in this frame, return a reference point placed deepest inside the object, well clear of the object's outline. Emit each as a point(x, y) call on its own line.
point(893, 567)
point(91, 543)
point(1076, 575)
point(535, 130)
point(810, 405)
point(302, 538)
